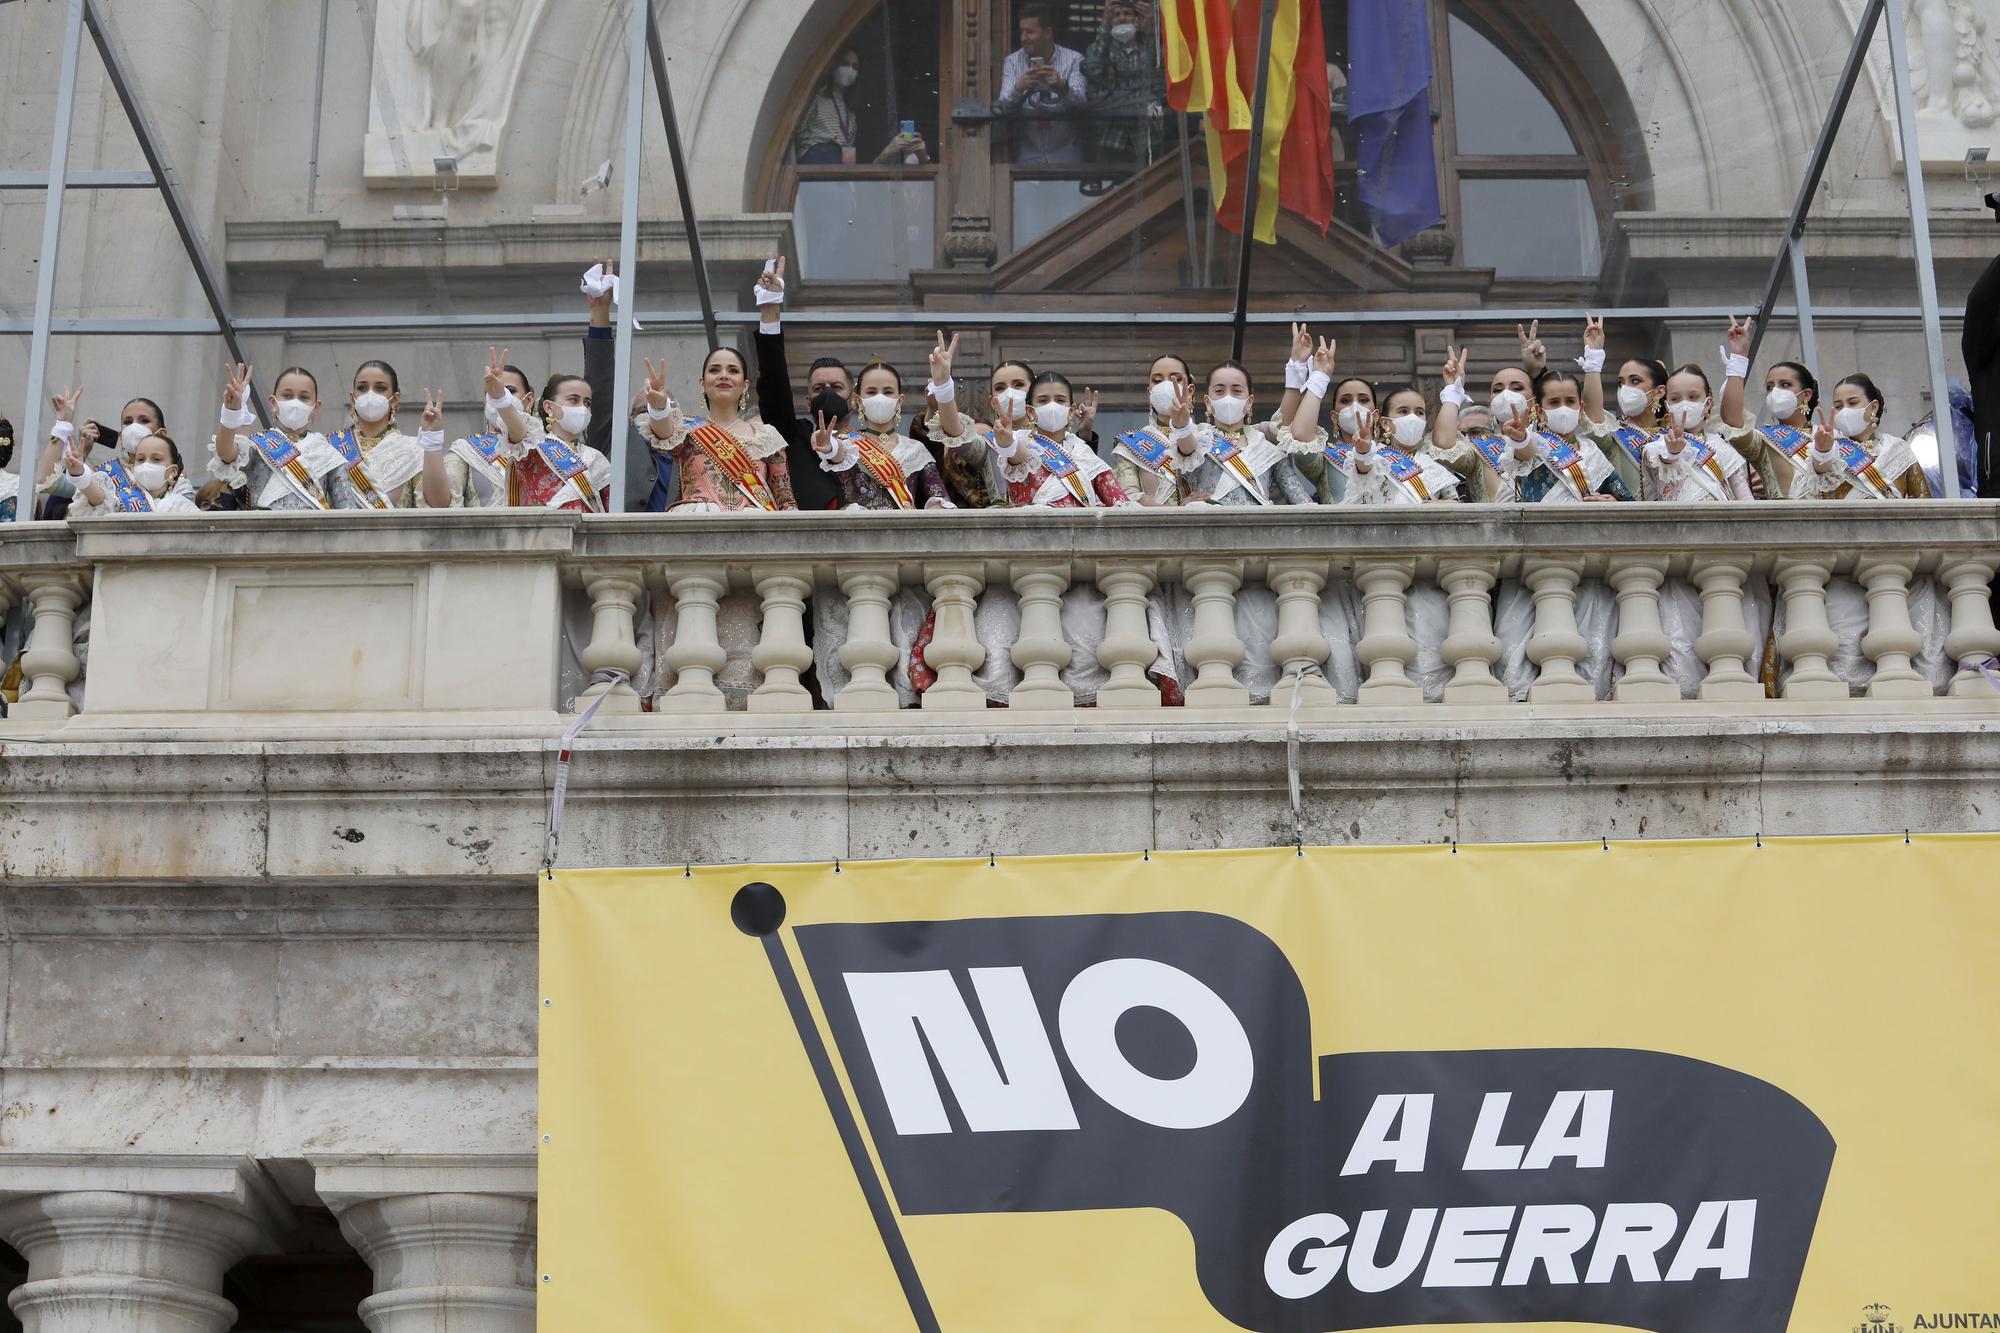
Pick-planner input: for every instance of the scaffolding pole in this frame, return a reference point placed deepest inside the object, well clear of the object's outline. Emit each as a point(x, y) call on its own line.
point(628, 248)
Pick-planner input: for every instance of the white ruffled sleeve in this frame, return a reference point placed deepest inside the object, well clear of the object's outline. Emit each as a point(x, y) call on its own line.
point(968, 432)
point(235, 474)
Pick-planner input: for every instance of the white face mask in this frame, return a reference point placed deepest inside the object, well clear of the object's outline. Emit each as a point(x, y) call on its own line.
point(1688, 413)
point(1507, 404)
point(1354, 418)
point(1850, 422)
point(575, 418)
point(150, 477)
point(881, 408)
point(1123, 33)
point(1228, 409)
point(1162, 396)
point(1052, 417)
point(294, 413)
point(1781, 403)
point(845, 75)
point(1409, 430)
point(130, 434)
point(1632, 400)
point(1562, 420)
point(1012, 403)
point(371, 407)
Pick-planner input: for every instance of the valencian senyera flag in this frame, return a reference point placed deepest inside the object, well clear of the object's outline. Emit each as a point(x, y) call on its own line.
point(1211, 56)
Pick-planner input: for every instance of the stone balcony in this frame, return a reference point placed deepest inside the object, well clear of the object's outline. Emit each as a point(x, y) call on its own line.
point(382, 696)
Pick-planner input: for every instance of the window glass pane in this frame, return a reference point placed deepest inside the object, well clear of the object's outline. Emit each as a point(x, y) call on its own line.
point(850, 229)
point(1042, 206)
point(1530, 228)
point(1500, 110)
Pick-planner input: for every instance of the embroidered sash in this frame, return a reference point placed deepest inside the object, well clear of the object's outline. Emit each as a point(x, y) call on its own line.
point(1496, 450)
point(1230, 454)
point(1635, 442)
point(728, 454)
point(486, 456)
point(1056, 461)
point(349, 448)
point(1406, 471)
point(1791, 439)
point(882, 466)
point(567, 463)
point(283, 458)
point(1567, 463)
point(1149, 451)
point(1862, 464)
point(127, 494)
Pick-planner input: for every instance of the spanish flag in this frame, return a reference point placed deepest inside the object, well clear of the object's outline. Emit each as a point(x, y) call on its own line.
point(1211, 58)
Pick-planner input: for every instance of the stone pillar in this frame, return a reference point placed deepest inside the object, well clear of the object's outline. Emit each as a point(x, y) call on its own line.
point(1891, 640)
point(954, 651)
point(1386, 648)
point(1213, 649)
point(1808, 640)
point(49, 664)
point(1557, 644)
point(697, 652)
point(1725, 644)
point(457, 1255)
point(1128, 648)
point(1641, 644)
point(781, 652)
point(1470, 645)
point(1041, 652)
point(137, 1245)
point(869, 653)
point(614, 641)
point(1973, 638)
point(1298, 584)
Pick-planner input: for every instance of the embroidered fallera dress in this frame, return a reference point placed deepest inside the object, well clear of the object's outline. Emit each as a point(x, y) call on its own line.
point(701, 470)
point(867, 465)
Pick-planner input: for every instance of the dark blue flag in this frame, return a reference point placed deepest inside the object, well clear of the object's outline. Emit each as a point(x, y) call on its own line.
point(1389, 106)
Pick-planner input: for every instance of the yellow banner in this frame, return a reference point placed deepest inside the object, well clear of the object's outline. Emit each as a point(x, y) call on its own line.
point(1713, 1087)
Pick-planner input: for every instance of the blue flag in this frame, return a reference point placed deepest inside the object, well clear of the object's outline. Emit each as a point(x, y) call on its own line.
point(1389, 106)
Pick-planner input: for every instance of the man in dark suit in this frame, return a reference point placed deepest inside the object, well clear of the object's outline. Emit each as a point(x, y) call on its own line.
point(1981, 345)
point(829, 392)
point(649, 477)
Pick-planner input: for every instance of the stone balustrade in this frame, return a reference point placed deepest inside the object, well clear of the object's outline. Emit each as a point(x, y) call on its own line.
point(729, 620)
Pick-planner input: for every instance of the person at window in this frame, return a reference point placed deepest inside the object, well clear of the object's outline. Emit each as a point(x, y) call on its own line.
point(879, 467)
point(1042, 462)
point(829, 390)
point(139, 418)
point(1043, 84)
point(390, 462)
point(1127, 86)
point(290, 466)
point(1543, 457)
point(1641, 395)
point(722, 462)
point(1851, 458)
point(478, 471)
point(1461, 459)
point(145, 485)
point(1226, 460)
point(1325, 461)
point(1144, 460)
point(1692, 459)
point(826, 136)
point(1778, 449)
point(1374, 457)
point(541, 440)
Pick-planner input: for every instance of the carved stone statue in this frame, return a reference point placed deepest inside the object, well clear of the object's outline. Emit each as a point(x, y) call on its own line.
point(443, 84)
point(1954, 65)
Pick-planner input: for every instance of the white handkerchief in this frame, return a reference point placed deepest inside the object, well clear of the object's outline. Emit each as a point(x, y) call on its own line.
point(597, 282)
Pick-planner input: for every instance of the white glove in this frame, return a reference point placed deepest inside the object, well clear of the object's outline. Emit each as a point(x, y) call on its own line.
point(1734, 367)
point(431, 440)
point(500, 404)
point(1316, 383)
point(942, 393)
point(1296, 373)
point(239, 418)
point(1591, 361)
point(1455, 394)
point(762, 295)
point(663, 413)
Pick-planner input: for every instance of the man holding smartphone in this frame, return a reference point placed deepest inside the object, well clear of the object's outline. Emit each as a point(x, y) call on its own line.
point(1043, 84)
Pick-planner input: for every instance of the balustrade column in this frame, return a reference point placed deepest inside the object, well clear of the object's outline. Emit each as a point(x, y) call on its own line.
point(614, 641)
point(1214, 650)
point(1973, 638)
point(697, 652)
point(1386, 648)
point(50, 663)
point(1891, 641)
point(869, 652)
point(954, 651)
point(1557, 645)
point(1299, 644)
point(1641, 644)
point(781, 652)
point(1725, 644)
point(1041, 652)
point(1470, 645)
point(1808, 641)
point(446, 1261)
point(1128, 648)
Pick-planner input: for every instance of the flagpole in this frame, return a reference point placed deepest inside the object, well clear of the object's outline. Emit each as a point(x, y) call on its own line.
point(1252, 172)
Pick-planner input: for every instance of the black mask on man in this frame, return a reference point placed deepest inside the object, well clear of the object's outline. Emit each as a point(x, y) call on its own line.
point(828, 402)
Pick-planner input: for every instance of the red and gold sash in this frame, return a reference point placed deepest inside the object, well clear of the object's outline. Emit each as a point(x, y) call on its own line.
point(728, 453)
point(882, 465)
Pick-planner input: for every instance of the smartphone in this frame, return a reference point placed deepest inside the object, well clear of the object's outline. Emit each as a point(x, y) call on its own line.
point(907, 128)
point(1034, 61)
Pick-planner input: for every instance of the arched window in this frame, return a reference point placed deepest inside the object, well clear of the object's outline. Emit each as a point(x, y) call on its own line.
point(1524, 207)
